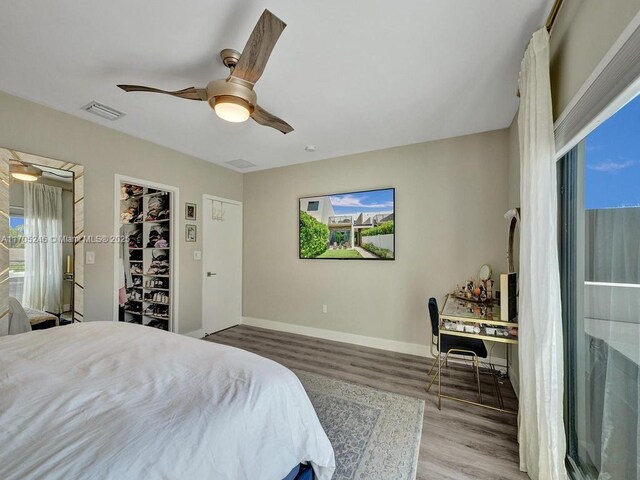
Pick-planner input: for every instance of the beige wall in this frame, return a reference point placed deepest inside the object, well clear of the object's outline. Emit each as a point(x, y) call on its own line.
point(584, 32)
point(104, 152)
point(450, 199)
point(513, 196)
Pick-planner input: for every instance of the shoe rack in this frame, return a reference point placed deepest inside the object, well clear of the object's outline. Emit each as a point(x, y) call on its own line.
point(146, 214)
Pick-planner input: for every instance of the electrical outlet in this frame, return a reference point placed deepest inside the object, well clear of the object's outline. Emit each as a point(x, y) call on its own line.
point(197, 255)
point(91, 258)
point(324, 308)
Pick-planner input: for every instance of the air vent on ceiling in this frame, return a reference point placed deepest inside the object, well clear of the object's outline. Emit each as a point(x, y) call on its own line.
point(103, 111)
point(240, 163)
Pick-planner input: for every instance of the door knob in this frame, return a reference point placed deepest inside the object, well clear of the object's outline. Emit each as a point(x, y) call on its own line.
point(210, 274)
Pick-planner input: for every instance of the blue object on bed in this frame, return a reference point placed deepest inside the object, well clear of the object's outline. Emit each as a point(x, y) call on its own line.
point(301, 472)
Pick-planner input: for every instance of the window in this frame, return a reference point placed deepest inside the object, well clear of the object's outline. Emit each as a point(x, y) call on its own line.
point(313, 206)
point(599, 202)
point(16, 254)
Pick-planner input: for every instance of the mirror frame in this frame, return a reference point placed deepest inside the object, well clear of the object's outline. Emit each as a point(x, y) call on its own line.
point(78, 226)
point(512, 233)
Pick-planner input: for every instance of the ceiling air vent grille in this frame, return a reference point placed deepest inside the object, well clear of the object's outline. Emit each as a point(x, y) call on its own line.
point(103, 111)
point(240, 163)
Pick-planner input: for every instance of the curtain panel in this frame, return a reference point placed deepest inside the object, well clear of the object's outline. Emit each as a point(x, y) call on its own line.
point(541, 430)
point(43, 247)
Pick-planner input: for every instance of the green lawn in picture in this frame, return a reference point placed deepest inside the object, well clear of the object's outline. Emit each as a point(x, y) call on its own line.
point(340, 253)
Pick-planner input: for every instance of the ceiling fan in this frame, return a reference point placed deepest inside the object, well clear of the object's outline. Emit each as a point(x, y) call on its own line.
point(233, 98)
point(24, 171)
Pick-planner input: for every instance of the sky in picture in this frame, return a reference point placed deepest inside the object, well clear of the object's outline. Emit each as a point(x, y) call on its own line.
point(375, 201)
point(613, 161)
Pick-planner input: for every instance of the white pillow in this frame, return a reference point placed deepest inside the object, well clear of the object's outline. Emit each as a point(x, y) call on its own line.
point(18, 320)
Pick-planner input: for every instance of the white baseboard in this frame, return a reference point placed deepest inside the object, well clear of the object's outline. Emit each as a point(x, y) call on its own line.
point(200, 333)
point(372, 342)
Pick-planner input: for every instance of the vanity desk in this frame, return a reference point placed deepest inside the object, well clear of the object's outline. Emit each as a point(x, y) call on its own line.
point(479, 321)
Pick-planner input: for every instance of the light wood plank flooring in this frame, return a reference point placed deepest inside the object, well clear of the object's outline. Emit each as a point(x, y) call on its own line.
point(458, 442)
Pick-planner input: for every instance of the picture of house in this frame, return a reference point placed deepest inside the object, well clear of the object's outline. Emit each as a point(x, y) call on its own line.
point(356, 225)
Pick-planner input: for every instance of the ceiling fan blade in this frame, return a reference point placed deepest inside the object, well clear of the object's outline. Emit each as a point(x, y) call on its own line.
point(256, 52)
point(263, 117)
point(190, 93)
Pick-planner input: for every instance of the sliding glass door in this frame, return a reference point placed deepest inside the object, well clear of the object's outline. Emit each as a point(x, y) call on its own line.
point(599, 192)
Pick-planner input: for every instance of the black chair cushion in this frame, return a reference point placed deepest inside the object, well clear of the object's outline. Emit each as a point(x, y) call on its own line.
point(449, 342)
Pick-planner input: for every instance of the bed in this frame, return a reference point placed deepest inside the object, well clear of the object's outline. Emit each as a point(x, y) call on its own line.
point(39, 319)
point(118, 400)
point(24, 319)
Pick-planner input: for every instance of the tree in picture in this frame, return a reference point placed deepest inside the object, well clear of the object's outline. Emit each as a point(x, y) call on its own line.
point(314, 236)
point(360, 225)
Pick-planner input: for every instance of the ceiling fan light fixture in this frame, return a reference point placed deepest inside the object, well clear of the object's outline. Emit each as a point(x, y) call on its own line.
point(232, 109)
point(26, 173)
point(233, 98)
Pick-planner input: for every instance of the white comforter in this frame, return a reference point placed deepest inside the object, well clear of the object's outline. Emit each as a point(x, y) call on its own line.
point(120, 401)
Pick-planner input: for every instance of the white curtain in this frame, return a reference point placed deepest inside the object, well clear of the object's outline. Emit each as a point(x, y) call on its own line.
point(43, 247)
point(541, 430)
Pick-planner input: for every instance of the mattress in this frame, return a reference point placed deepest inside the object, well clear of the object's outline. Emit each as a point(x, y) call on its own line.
point(118, 400)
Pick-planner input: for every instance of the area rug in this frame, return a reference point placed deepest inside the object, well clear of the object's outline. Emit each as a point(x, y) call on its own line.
point(375, 434)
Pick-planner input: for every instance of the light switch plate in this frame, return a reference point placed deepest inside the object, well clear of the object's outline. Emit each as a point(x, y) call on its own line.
point(91, 258)
point(197, 255)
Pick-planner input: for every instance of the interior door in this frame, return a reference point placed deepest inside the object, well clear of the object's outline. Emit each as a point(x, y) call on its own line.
point(222, 264)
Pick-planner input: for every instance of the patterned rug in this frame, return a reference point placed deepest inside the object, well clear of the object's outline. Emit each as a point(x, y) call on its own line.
point(375, 434)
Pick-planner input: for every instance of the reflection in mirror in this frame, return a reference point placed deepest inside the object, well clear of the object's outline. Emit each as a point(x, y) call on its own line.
point(513, 216)
point(41, 242)
point(42, 210)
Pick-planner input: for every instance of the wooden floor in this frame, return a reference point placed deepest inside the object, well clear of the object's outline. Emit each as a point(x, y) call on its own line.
point(458, 442)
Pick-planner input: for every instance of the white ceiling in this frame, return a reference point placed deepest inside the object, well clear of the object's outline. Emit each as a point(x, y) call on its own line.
point(350, 76)
point(58, 174)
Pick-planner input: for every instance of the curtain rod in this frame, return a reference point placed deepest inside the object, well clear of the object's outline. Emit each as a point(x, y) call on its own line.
point(553, 14)
point(551, 20)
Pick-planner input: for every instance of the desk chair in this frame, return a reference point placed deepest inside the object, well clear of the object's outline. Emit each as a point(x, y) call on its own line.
point(455, 345)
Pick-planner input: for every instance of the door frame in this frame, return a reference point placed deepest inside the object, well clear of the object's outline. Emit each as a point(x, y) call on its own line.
point(174, 252)
point(206, 197)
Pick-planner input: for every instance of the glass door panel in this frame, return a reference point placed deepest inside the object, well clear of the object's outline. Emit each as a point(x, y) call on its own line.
point(600, 245)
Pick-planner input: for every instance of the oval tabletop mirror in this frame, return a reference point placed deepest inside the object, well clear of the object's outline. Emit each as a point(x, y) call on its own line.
point(485, 272)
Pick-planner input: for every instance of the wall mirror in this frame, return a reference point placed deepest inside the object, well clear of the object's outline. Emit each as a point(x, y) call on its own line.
point(513, 216)
point(485, 272)
point(42, 231)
